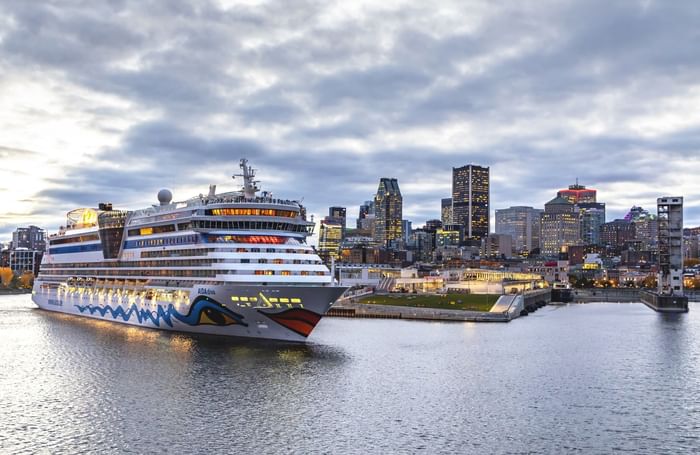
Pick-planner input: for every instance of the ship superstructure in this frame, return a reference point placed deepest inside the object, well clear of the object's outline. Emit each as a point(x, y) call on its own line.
point(234, 263)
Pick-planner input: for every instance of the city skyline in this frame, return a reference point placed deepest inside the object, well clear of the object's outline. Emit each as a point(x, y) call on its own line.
point(543, 93)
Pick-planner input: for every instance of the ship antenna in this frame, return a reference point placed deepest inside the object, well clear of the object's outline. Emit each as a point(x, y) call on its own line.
point(250, 186)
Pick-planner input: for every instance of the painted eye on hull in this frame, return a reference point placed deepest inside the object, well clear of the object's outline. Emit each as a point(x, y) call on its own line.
point(210, 316)
point(207, 311)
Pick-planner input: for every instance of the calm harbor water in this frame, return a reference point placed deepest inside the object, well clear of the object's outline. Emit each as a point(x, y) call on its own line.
point(583, 378)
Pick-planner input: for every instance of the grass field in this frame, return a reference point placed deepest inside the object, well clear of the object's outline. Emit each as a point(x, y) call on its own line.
point(471, 302)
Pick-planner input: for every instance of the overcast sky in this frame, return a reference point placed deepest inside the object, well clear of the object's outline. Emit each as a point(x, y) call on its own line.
point(113, 100)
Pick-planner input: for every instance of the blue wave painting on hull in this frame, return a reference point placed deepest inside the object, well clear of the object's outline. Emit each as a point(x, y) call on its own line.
point(203, 311)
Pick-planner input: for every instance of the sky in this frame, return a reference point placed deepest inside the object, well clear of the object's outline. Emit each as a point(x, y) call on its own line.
point(113, 100)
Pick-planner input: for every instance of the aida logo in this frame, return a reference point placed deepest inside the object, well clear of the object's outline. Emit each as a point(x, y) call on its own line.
point(262, 301)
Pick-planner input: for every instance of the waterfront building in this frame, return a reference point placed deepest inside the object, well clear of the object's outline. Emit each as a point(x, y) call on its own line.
point(559, 226)
point(592, 217)
point(577, 194)
point(4, 257)
point(31, 238)
point(471, 200)
point(646, 227)
point(615, 235)
point(449, 235)
point(497, 246)
point(406, 228)
point(446, 210)
point(522, 224)
point(433, 225)
point(339, 216)
point(366, 209)
point(330, 236)
point(367, 225)
point(422, 242)
point(388, 210)
point(22, 260)
point(552, 271)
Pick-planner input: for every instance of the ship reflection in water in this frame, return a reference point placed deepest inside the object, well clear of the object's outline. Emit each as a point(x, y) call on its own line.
point(588, 378)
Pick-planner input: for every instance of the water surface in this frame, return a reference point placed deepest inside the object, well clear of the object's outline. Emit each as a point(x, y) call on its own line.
point(583, 378)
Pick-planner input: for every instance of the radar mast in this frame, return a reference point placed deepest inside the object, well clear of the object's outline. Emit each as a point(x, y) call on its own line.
point(250, 186)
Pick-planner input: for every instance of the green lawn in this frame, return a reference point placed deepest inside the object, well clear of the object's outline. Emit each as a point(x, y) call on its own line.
point(472, 302)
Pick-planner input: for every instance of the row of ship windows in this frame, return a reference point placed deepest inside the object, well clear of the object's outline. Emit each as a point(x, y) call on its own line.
point(205, 251)
point(182, 273)
point(250, 212)
point(251, 225)
point(159, 229)
point(180, 240)
point(173, 263)
point(80, 238)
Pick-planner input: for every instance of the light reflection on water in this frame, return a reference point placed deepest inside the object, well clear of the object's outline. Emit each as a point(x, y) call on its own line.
point(590, 378)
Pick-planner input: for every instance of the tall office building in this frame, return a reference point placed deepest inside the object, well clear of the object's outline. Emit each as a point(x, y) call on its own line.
point(578, 193)
point(446, 210)
point(366, 210)
point(559, 226)
point(592, 217)
point(522, 224)
point(31, 238)
point(646, 227)
point(406, 228)
point(471, 200)
point(615, 234)
point(388, 210)
point(329, 239)
point(338, 215)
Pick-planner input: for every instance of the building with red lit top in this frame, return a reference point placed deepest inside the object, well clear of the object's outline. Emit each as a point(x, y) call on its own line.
point(578, 193)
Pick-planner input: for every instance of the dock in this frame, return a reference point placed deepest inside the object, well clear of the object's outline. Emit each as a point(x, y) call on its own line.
point(665, 303)
point(507, 308)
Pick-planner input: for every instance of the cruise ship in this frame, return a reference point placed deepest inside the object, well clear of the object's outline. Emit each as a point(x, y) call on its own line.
point(234, 263)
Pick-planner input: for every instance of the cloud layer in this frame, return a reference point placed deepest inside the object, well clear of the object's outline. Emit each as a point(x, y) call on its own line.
point(111, 100)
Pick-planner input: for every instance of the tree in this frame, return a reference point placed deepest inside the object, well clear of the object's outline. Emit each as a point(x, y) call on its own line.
point(5, 276)
point(691, 262)
point(26, 280)
point(14, 282)
point(649, 282)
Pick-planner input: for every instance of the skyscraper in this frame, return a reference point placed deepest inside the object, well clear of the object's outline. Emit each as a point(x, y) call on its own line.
point(592, 217)
point(388, 210)
point(471, 200)
point(338, 215)
point(522, 224)
point(446, 210)
point(329, 239)
point(578, 193)
point(560, 226)
point(366, 209)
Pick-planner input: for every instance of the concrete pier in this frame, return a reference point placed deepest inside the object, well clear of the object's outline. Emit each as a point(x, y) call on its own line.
point(508, 308)
point(665, 303)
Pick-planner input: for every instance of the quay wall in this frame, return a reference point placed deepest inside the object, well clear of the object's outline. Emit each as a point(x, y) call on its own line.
point(618, 295)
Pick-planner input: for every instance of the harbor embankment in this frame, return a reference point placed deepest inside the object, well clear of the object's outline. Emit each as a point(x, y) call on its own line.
point(618, 295)
point(8, 291)
point(502, 308)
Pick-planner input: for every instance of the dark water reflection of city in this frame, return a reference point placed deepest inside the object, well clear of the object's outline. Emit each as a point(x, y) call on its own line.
point(589, 378)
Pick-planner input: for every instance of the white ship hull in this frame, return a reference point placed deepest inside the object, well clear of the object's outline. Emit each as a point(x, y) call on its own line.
point(285, 313)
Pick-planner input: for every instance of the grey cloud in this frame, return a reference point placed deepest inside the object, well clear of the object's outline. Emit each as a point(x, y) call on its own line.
point(290, 88)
